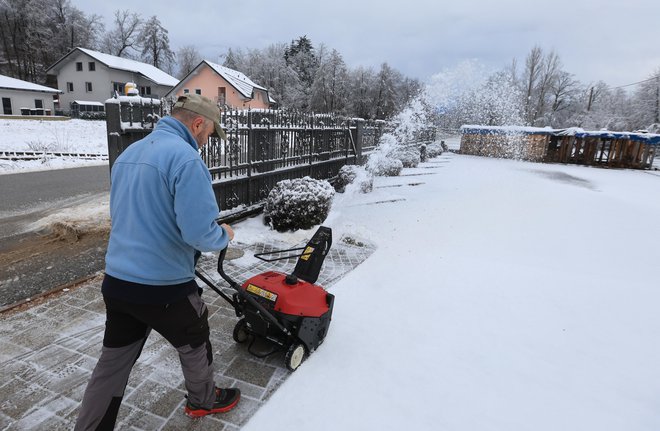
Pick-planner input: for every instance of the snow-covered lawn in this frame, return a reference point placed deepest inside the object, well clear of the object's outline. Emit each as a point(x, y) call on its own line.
point(503, 296)
point(70, 136)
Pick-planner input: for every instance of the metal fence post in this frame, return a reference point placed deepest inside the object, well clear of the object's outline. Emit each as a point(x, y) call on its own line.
point(113, 126)
point(359, 139)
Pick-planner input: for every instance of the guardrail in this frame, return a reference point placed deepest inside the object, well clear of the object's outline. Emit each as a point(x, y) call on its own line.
point(40, 155)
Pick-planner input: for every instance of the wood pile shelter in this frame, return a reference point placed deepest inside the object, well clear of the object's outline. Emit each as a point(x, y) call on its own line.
point(573, 145)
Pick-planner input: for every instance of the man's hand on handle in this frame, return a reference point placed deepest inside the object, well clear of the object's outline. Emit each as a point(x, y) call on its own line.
point(229, 230)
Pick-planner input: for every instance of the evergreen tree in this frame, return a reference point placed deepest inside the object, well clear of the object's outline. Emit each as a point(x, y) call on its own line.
point(386, 94)
point(301, 57)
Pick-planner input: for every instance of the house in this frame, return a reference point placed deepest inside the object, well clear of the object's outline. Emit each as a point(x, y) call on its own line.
point(26, 98)
point(226, 86)
point(84, 76)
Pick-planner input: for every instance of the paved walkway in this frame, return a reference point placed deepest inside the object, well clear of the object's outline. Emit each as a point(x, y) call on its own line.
point(49, 350)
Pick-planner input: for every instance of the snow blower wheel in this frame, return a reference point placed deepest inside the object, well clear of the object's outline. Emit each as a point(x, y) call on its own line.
point(240, 333)
point(294, 356)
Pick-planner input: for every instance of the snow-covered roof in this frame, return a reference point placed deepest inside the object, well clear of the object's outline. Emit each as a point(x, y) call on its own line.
point(236, 79)
point(18, 84)
point(649, 138)
point(147, 70)
point(87, 102)
point(242, 83)
point(474, 129)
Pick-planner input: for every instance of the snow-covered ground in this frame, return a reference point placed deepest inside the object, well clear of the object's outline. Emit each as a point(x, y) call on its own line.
point(70, 136)
point(503, 296)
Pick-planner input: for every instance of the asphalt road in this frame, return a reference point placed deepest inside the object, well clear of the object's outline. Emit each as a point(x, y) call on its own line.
point(32, 262)
point(26, 197)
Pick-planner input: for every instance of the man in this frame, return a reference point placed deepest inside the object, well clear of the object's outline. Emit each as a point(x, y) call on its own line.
point(163, 212)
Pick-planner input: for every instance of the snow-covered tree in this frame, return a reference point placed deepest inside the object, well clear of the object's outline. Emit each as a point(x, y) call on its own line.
point(361, 87)
point(645, 108)
point(386, 92)
point(187, 59)
point(36, 33)
point(155, 42)
point(302, 58)
point(329, 90)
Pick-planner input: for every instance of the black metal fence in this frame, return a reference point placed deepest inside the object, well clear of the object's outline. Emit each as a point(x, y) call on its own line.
point(262, 148)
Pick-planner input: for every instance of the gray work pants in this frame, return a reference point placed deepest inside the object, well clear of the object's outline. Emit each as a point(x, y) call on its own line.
point(183, 323)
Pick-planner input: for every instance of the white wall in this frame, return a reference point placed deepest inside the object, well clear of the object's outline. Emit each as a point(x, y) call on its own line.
point(101, 79)
point(26, 99)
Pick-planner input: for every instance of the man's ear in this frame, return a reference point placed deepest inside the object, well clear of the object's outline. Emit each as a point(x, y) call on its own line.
point(197, 122)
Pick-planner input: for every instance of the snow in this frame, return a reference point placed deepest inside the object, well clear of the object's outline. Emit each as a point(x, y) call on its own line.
point(18, 84)
point(507, 129)
point(241, 82)
point(503, 295)
point(153, 73)
point(88, 102)
point(71, 136)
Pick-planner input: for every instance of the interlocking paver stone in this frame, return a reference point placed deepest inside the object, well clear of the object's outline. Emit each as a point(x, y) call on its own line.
point(49, 350)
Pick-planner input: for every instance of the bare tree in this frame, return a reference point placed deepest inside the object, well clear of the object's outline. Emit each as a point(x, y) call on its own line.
point(187, 58)
point(550, 67)
point(533, 65)
point(122, 40)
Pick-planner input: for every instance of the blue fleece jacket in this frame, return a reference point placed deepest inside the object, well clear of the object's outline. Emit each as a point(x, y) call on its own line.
point(162, 208)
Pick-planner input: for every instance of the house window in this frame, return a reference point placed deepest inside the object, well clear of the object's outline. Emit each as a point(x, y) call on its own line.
point(117, 87)
point(145, 91)
point(88, 87)
point(69, 87)
point(6, 105)
point(222, 95)
point(79, 66)
point(186, 91)
point(38, 103)
point(92, 66)
point(198, 91)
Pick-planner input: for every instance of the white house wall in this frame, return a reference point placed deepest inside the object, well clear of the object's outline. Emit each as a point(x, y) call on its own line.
point(102, 81)
point(26, 99)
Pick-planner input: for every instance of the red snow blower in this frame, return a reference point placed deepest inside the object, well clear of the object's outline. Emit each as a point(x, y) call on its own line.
point(287, 310)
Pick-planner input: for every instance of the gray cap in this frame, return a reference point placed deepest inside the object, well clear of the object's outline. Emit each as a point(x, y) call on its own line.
point(203, 106)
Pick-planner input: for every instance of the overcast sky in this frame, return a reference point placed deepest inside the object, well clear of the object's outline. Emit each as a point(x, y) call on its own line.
point(614, 41)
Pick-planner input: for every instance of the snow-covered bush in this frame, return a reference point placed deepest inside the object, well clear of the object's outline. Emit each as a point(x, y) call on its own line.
point(381, 163)
point(434, 149)
point(409, 156)
point(351, 174)
point(384, 166)
point(301, 203)
point(92, 115)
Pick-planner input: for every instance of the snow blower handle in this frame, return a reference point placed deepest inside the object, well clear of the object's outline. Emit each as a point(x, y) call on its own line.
point(221, 271)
